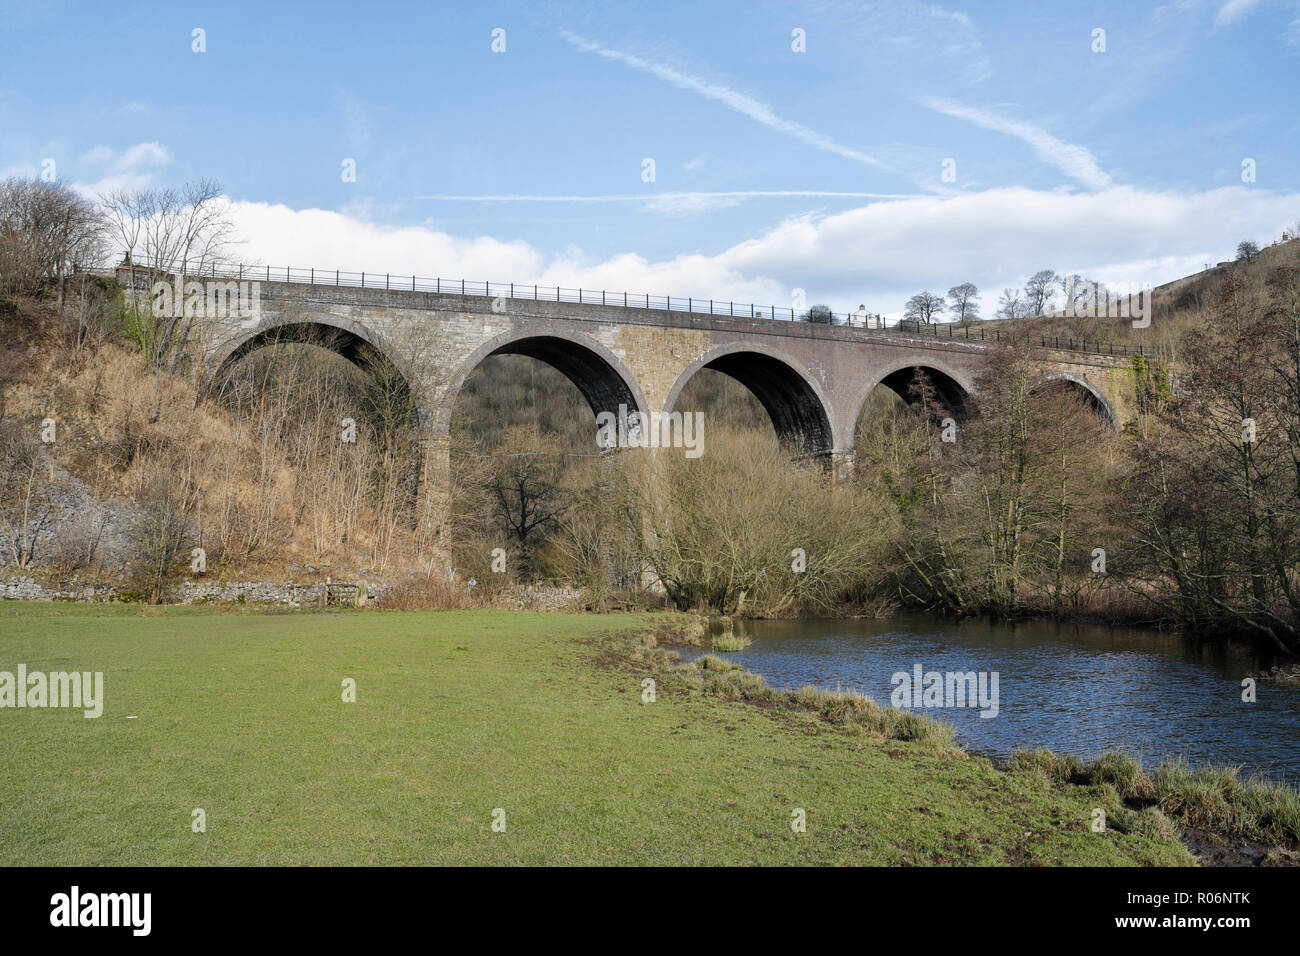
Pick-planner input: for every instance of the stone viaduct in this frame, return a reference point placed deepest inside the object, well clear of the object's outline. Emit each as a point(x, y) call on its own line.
point(813, 380)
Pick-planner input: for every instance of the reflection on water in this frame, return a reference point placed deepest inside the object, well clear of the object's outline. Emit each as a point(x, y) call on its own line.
point(1078, 689)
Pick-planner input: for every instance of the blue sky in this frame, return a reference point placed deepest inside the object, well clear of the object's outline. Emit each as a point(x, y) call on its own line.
point(775, 170)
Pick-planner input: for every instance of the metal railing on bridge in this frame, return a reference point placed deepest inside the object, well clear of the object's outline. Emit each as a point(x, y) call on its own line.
point(1062, 343)
point(861, 319)
point(510, 290)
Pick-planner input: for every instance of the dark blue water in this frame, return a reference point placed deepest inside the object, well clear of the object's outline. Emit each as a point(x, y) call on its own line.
point(1077, 689)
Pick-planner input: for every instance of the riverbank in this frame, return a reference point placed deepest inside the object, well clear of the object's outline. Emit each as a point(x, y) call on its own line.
point(1079, 689)
point(1223, 817)
point(239, 713)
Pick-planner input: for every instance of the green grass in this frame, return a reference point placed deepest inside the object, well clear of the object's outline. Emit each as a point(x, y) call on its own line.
point(461, 712)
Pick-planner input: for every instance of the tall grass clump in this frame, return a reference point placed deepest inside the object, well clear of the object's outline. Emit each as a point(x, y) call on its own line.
point(1123, 772)
point(1060, 769)
point(1216, 798)
point(730, 642)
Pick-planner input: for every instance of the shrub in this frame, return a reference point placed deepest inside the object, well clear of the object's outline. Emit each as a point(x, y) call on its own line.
point(431, 592)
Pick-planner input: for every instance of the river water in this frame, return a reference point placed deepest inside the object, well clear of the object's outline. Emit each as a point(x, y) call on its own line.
point(1079, 689)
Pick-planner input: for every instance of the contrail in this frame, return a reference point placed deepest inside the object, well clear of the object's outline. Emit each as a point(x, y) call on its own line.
point(1073, 160)
point(739, 102)
point(652, 196)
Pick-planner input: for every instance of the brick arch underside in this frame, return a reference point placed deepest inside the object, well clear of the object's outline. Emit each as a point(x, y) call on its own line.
point(598, 381)
point(796, 412)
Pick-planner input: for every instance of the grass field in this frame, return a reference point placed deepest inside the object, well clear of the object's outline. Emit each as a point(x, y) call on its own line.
point(459, 713)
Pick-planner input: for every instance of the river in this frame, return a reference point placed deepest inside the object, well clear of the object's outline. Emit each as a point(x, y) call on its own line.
point(1079, 689)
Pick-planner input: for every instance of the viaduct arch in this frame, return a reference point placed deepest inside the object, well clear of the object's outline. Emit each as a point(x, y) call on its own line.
point(813, 380)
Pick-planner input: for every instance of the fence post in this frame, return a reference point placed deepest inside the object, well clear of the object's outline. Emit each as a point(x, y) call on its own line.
point(386, 277)
point(313, 275)
point(336, 276)
point(268, 273)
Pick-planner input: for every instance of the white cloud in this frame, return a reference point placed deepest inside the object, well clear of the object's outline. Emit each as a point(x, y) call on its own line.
point(1293, 34)
point(999, 237)
point(97, 156)
point(131, 169)
point(279, 235)
point(877, 254)
point(964, 46)
point(143, 155)
point(946, 41)
point(1232, 11)
point(745, 105)
point(1075, 161)
point(955, 15)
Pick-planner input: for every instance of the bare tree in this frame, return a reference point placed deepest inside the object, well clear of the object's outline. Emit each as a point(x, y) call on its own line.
point(24, 497)
point(819, 315)
point(1039, 291)
point(965, 301)
point(1075, 291)
point(924, 307)
point(1247, 251)
point(47, 232)
point(1010, 305)
point(526, 486)
point(159, 536)
point(167, 233)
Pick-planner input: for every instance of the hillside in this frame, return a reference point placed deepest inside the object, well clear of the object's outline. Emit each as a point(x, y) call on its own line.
point(1180, 305)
